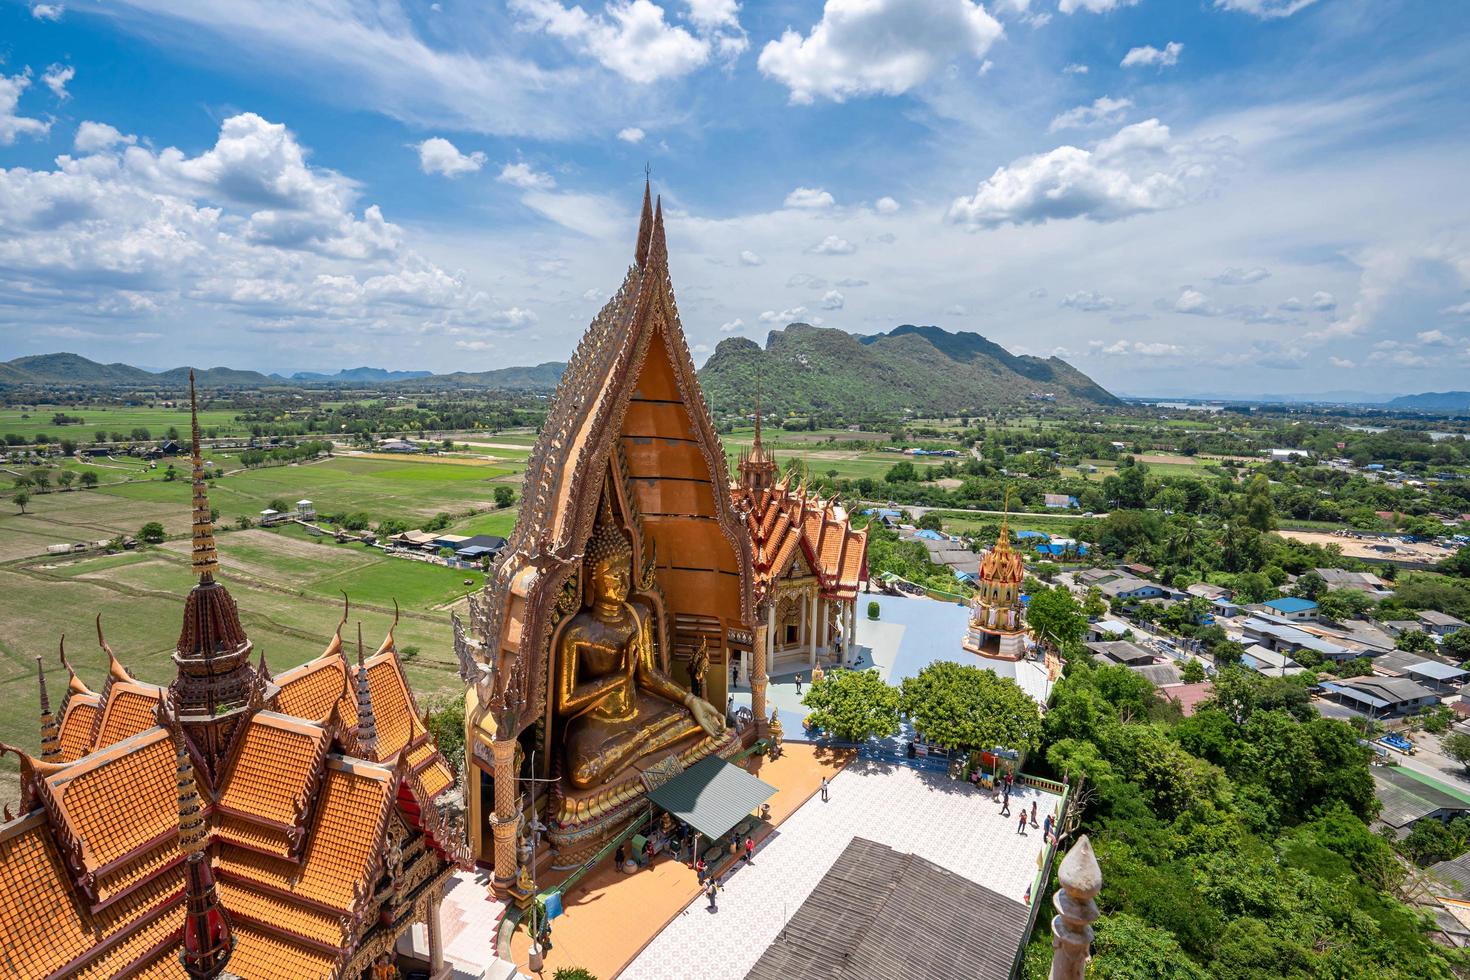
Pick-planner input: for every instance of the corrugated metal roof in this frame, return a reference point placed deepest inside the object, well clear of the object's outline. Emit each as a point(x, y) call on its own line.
point(1406, 799)
point(881, 913)
point(1435, 670)
point(712, 796)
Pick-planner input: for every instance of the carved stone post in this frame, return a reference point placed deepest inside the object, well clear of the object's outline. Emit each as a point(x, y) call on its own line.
point(1081, 880)
point(438, 970)
point(506, 817)
point(758, 679)
point(812, 630)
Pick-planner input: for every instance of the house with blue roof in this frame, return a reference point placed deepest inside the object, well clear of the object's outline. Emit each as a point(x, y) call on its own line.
point(1289, 607)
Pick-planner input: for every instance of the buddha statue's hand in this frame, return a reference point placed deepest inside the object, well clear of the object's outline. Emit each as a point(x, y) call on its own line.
point(709, 719)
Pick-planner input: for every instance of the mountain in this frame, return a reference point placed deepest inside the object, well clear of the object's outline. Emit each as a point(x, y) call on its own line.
point(71, 369)
point(1433, 401)
point(359, 374)
point(215, 377)
point(926, 370)
point(539, 377)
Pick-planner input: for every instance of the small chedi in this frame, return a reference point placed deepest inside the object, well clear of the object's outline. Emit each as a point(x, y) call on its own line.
point(997, 616)
point(231, 823)
point(637, 580)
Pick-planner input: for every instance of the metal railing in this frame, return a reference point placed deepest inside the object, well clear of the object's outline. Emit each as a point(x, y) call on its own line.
point(1043, 874)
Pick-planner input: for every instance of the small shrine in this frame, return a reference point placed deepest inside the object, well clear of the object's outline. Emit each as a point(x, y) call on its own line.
point(997, 615)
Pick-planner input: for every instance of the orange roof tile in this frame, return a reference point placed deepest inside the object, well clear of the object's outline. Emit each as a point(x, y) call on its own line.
point(260, 955)
point(245, 902)
point(121, 797)
point(310, 691)
point(76, 727)
point(40, 926)
point(271, 767)
point(437, 777)
point(396, 722)
point(232, 830)
point(146, 864)
point(128, 711)
point(151, 940)
point(144, 899)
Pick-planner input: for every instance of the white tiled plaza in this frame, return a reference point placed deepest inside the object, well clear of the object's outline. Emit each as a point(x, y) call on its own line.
point(939, 819)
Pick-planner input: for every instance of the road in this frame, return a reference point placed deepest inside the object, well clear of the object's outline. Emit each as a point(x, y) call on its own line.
point(919, 511)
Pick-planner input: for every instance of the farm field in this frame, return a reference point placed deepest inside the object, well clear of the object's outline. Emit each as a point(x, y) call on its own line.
point(29, 422)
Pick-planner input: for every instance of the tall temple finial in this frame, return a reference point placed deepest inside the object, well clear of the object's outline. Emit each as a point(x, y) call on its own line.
point(658, 246)
point(756, 447)
point(208, 937)
point(367, 727)
point(645, 223)
point(1076, 903)
point(206, 560)
point(50, 731)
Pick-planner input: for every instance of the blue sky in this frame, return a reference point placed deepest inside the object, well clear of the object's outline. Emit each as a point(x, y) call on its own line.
point(1177, 196)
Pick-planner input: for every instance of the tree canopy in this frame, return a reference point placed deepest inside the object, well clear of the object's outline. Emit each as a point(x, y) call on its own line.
point(1056, 616)
point(853, 705)
point(964, 707)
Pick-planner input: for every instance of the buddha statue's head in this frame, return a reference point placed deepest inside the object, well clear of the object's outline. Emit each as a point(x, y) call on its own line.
point(609, 563)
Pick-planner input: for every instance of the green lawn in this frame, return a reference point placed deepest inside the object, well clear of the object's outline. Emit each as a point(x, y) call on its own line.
point(31, 421)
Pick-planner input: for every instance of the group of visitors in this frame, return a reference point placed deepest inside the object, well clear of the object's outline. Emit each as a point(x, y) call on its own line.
point(1004, 784)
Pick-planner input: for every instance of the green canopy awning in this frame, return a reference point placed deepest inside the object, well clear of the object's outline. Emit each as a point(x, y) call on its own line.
point(712, 796)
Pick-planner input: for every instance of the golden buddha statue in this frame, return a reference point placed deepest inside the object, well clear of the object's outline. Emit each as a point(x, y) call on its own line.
point(616, 704)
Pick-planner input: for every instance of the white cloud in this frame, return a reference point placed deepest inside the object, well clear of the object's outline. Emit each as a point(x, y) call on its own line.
point(513, 318)
point(785, 316)
point(1141, 168)
point(1195, 303)
point(1038, 293)
point(1396, 354)
point(1103, 110)
point(834, 245)
point(809, 197)
point(850, 283)
point(56, 78)
point(985, 67)
point(747, 257)
point(1139, 348)
point(631, 135)
point(1323, 302)
point(1093, 6)
point(799, 280)
point(631, 39)
point(439, 156)
point(93, 137)
point(877, 47)
point(12, 125)
point(1462, 309)
point(47, 11)
point(733, 326)
point(832, 300)
point(1075, 69)
point(1087, 301)
point(886, 205)
point(1150, 55)
point(521, 175)
point(1265, 9)
point(714, 13)
point(1340, 362)
point(1241, 277)
point(1434, 338)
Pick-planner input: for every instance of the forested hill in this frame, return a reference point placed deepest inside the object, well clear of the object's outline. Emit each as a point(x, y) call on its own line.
point(1456, 402)
point(923, 369)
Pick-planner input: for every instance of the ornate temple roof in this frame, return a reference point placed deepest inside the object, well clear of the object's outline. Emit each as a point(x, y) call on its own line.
point(277, 854)
point(1002, 564)
point(783, 522)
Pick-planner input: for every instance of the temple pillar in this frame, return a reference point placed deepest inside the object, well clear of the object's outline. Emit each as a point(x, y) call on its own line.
point(506, 814)
point(1071, 927)
point(760, 651)
point(801, 629)
point(438, 969)
point(474, 820)
point(812, 632)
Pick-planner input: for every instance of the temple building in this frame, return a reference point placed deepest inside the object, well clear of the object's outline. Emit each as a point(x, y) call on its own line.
point(598, 656)
point(810, 564)
point(997, 615)
point(231, 823)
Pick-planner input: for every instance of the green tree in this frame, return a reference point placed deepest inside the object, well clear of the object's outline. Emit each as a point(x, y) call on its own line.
point(1192, 672)
point(1310, 585)
point(1128, 948)
point(504, 496)
point(1456, 745)
point(853, 705)
point(21, 498)
point(931, 522)
point(572, 973)
point(1415, 641)
point(279, 505)
point(445, 720)
point(1094, 605)
point(1457, 564)
point(1343, 604)
point(1258, 510)
point(151, 533)
point(89, 479)
point(963, 707)
point(1456, 645)
point(902, 472)
point(1056, 617)
point(66, 478)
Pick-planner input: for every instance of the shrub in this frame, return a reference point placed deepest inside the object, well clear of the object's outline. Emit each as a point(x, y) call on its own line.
point(873, 609)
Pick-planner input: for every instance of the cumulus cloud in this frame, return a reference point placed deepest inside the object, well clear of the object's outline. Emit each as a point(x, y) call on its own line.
point(521, 175)
point(1139, 348)
point(885, 205)
point(1195, 303)
point(1150, 55)
point(1141, 168)
point(439, 156)
point(1093, 6)
point(732, 326)
point(631, 39)
point(809, 197)
point(832, 300)
point(513, 318)
point(1103, 110)
point(747, 257)
point(56, 78)
point(834, 245)
point(1434, 338)
point(1087, 301)
point(12, 124)
point(877, 47)
point(785, 316)
point(1340, 362)
point(1075, 69)
point(1461, 309)
point(632, 134)
point(1265, 9)
point(47, 11)
point(1240, 277)
point(1323, 302)
point(93, 137)
point(1393, 353)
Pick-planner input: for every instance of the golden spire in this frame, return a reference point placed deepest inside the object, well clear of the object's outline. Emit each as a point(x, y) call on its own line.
point(191, 811)
point(206, 560)
point(367, 727)
point(50, 731)
point(658, 246)
point(645, 223)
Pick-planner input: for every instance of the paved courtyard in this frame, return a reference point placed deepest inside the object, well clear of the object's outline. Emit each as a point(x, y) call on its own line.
point(947, 822)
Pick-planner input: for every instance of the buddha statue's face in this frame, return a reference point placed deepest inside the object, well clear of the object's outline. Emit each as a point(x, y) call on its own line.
point(610, 578)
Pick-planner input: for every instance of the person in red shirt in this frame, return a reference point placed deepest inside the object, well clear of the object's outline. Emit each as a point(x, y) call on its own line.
point(749, 849)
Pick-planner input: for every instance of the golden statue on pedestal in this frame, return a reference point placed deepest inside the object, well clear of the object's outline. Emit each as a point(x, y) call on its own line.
point(615, 702)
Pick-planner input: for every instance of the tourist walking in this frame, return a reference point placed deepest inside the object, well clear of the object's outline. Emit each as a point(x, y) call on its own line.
point(798, 683)
point(1005, 805)
point(1021, 824)
point(621, 857)
point(749, 850)
point(824, 789)
point(1033, 814)
point(710, 891)
point(699, 871)
point(1046, 829)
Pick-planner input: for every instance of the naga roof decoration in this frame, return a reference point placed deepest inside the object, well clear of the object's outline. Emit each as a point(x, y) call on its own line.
point(149, 832)
point(628, 413)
